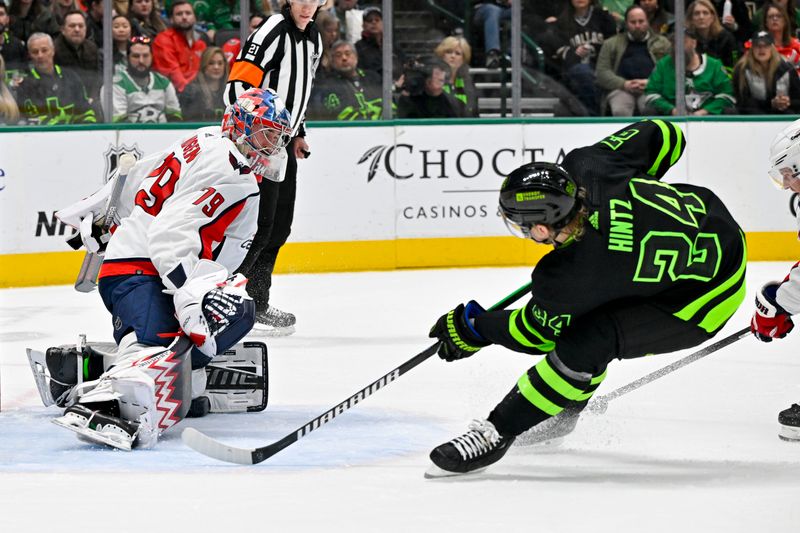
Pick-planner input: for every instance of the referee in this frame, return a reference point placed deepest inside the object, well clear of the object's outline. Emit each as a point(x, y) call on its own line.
point(282, 54)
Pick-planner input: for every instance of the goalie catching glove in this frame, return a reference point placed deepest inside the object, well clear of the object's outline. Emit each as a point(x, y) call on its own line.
point(213, 310)
point(458, 336)
point(770, 321)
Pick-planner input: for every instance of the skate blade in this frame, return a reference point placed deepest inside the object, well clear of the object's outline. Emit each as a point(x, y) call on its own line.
point(789, 433)
point(269, 331)
point(95, 437)
point(434, 472)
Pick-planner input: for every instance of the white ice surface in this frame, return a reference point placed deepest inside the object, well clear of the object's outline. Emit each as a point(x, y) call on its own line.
point(695, 451)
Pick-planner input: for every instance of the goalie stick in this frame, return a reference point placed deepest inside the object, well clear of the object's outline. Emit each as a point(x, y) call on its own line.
point(92, 261)
point(204, 444)
point(599, 405)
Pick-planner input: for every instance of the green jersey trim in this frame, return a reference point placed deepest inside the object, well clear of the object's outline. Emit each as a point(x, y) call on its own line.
point(544, 346)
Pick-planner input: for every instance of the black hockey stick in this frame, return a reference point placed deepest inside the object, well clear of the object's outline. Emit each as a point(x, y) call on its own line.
point(600, 404)
point(249, 456)
point(92, 261)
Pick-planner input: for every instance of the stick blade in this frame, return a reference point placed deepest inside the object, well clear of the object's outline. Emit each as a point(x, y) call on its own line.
point(202, 443)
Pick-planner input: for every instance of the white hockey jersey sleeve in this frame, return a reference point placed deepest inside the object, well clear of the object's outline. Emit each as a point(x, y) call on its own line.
point(788, 294)
point(200, 201)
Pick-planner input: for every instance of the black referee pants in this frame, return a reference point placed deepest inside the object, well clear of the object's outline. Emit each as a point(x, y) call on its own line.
point(275, 215)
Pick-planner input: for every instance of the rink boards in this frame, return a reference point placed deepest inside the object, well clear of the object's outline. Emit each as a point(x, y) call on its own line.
point(373, 197)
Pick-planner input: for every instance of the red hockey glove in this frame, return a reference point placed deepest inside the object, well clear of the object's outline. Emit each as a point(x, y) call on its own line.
point(770, 321)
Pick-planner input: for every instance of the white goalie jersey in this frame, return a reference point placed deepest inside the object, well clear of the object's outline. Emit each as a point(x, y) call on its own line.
point(198, 199)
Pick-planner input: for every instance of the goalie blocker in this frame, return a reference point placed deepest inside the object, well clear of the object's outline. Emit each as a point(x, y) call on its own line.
point(236, 381)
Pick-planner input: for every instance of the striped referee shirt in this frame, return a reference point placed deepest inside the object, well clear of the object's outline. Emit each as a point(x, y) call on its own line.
point(281, 57)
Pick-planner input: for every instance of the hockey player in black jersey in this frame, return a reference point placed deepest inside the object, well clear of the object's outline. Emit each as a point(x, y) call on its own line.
point(638, 267)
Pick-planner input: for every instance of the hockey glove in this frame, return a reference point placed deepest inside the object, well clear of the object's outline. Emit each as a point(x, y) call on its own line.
point(770, 321)
point(211, 304)
point(458, 335)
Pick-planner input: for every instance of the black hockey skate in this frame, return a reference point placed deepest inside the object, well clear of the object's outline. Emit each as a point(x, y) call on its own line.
point(789, 420)
point(473, 451)
point(101, 425)
point(273, 323)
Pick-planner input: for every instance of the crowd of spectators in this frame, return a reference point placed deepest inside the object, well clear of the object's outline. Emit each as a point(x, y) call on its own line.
point(614, 57)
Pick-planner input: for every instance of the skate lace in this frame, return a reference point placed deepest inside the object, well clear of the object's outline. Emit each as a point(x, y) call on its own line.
point(482, 437)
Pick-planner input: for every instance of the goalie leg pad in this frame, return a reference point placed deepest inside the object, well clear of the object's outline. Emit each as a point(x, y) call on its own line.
point(238, 380)
point(149, 387)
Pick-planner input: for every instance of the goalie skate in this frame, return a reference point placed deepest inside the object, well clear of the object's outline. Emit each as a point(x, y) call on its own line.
point(100, 428)
point(273, 323)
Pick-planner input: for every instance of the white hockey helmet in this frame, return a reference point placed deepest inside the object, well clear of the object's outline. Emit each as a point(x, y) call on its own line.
point(784, 155)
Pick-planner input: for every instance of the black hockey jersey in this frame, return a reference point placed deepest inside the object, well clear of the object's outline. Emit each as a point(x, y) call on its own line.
point(675, 246)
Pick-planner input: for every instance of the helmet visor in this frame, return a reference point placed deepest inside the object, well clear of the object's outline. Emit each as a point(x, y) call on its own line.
point(784, 177)
point(523, 231)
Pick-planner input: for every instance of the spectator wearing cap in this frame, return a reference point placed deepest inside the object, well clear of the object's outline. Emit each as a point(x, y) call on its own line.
point(765, 84)
point(350, 92)
point(370, 46)
point(141, 95)
point(49, 94)
point(12, 49)
point(350, 19)
point(456, 53)
point(713, 38)
point(145, 19)
point(75, 51)
point(626, 61)
point(708, 88)
point(177, 50)
point(778, 25)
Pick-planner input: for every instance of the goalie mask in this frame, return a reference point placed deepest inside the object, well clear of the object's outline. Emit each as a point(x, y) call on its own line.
point(538, 193)
point(784, 158)
point(260, 126)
